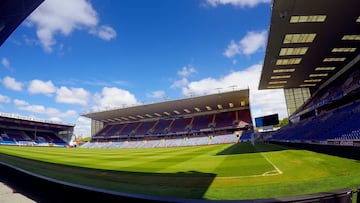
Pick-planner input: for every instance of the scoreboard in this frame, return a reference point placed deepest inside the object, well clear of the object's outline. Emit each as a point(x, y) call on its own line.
point(269, 120)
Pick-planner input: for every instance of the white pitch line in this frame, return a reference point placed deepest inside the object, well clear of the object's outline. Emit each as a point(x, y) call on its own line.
point(268, 160)
point(268, 173)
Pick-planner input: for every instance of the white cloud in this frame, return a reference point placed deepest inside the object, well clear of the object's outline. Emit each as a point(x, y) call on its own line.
point(63, 17)
point(5, 62)
point(244, 79)
point(232, 49)
point(83, 127)
point(157, 94)
point(39, 109)
point(72, 96)
point(56, 119)
point(30, 41)
point(207, 85)
point(253, 41)
point(18, 102)
point(249, 44)
point(41, 87)
point(263, 102)
point(186, 71)
point(179, 83)
point(104, 32)
point(4, 99)
point(11, 83)
point(112, 97)
point(237, 3)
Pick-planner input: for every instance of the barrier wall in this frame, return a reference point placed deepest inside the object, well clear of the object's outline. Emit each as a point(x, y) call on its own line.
point(336, 150)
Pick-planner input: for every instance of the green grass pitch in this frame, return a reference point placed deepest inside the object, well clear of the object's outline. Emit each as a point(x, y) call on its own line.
point(229, 171)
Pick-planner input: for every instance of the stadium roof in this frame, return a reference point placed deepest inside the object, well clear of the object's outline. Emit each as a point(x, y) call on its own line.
point(13, 13)
point(238, 99)
point(26, 120)
point(310, 42)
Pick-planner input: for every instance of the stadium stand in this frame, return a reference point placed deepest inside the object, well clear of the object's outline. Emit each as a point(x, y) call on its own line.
point(180, 125)
point(202, 122)
point(129, 129)
point(111, 130)
point(222, 120)
point(21, 130)
point(227, 138)
point(191, 131)
point(210, 119)
point(161, 126)
point(246, 136)
point(335, 122)
point(171, 141)
point(145, 128)
point(244, 116)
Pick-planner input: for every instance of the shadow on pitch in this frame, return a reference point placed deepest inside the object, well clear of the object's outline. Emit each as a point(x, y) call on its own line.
point(248, 148)
point(121, 184)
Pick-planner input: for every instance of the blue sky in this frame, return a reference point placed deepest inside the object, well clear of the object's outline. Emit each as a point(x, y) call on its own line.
point(75, 56)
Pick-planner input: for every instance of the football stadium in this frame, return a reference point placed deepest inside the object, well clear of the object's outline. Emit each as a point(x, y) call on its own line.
point(209, 148)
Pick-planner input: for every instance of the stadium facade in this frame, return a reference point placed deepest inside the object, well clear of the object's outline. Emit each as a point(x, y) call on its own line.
point(313, 53)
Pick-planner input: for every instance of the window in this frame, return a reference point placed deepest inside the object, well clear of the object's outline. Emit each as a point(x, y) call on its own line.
point(299, 38)
point(307, 19)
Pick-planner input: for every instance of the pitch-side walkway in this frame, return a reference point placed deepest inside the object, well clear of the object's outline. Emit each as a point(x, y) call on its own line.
point(8, 195)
